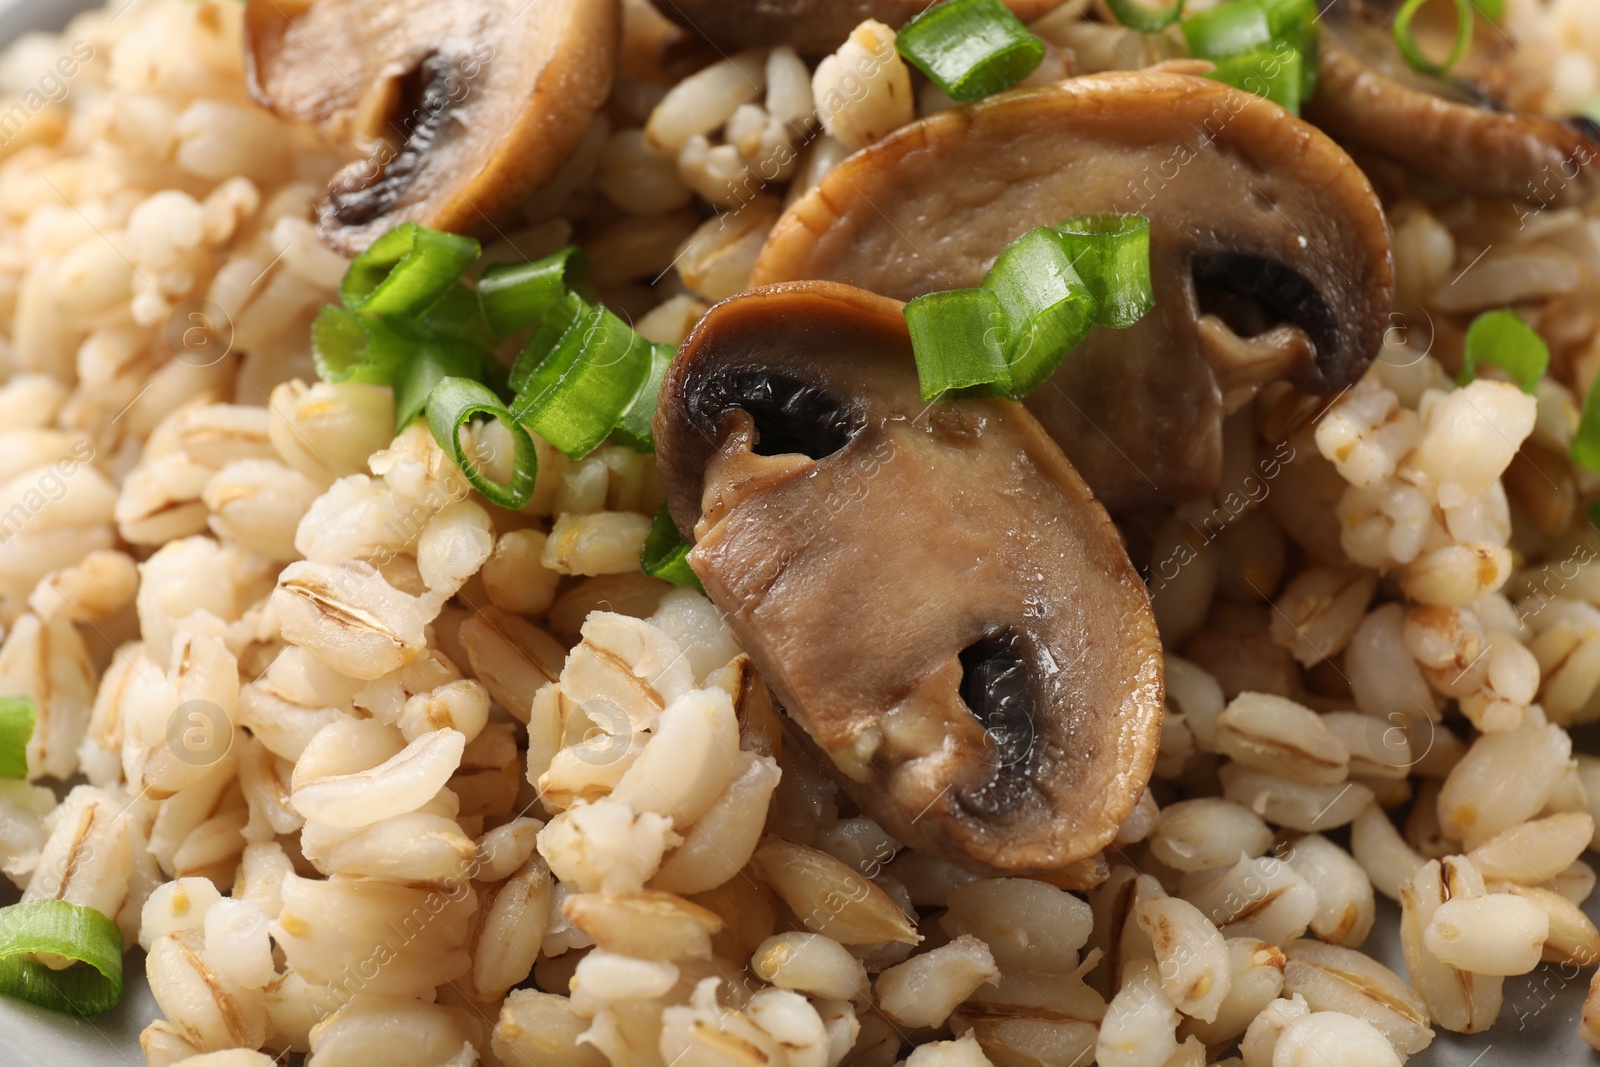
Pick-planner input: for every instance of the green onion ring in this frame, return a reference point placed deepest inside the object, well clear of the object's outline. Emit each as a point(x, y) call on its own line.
point(1111, 253)
point(93, 984)
point(970, 48)
point(456, 401)
point(1137, 15)
point(956, 339)
point(666, 554)
point(1406, 41)
point(1503, 339)
point(406, 270)
point(17, 721)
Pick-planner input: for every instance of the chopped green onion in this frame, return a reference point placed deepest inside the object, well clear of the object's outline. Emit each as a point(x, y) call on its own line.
point(91, 985)
point(457, 314)
point(1585, 450)
point(575, 397)
point(1493, 10)
point(347, 346)
point(17, 720)
point(634, 427)
point(665, 554)
point(1411, 51)
point(1502, 339)
point(1276, 74)
point(970, 48)
point(1142, 16)
point(1046, 306)
point(1111, 253)
point(955, 337)
point(456, 401)
point(562, 316)
point(435, 359)
point(406, 270)
point(1232, 29)
point(519, 295)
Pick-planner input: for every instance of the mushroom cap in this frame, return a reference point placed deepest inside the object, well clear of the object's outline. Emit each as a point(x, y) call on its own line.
point(1259, 224)
point(812, 27)
point(930, 589)
point(1457, 131)
point(462, 109)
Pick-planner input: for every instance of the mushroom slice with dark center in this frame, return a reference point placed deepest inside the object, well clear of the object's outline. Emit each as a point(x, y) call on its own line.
point(930, 590)
point(1270, 256)
point(1465, 130)
point(460, 110)
point(813, 27)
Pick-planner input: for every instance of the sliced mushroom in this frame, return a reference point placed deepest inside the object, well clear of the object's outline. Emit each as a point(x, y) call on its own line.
point(1269, 252)
point(460, 110)
point(930, 590)
point(813, 27)
point(1462, 130)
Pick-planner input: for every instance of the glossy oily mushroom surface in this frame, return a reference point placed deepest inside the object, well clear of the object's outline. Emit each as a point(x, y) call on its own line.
point(813, 27)
point(930, 590)
point(457, 110)
point(1462, 131)
point(1270, 256)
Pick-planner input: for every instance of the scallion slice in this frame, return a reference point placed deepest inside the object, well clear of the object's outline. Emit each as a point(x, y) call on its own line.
point(17, 720)
point(1278, 74)
point(956, 338)
point(970, 48)
point(435, 359)
point(1146, 17)
point(91, 985)
point(519, 295)
point(575, 397)
point(1502, 339)
point(1493, 10)
point(1411, 50)
point(348, 346)
point(1232, 29)
point(1111, 253)
point(666, 554)
point(1046, 306)
point(634, 427)
point(456, 401)
point(406, 270)
point(1585, 449)
point(560, 318)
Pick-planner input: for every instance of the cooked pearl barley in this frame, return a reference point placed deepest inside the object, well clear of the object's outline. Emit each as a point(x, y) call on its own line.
point(606, 845)
point(606, 542)
point(701, 102)
point(237, 945)
point(400, 784)
point(1257, 969)
point(1267, 1029)
point(1456, 575)
point(454, 546)
point(206, 1010)
point(962, 1052)
point(1198, 697)
point(725, 837)
point(717, 259)
point(376, 1030)
point(177, 905)
point(1536, 851)
point(811, 964)
point(1194, 965)
point(1367, 433)
point(830, 898)
point(511, 929)
point(1207, 833)
point(1479, 797)
point(1291, 804)
point(326, 431)
point(1500, 934)
point(1331, 978)
point(1027, 924)
point(688, 761)
point(542, 1028)
point(1457, 1000)
point(349, 617)
point(514, 577)
point(1333, 1038)
point(925, 989)
point(1471, 435)
point(1140, 1025)
point(1274, 734)
point(863, 91)
point(1264, 898)
point(1318, 613)
point(1345, 905)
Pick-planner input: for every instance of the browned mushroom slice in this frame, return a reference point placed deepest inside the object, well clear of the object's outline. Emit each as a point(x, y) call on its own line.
point(1461, 131)
point(460, 109)
point(813, 27)
point(930, 590)
point(1270, 256)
